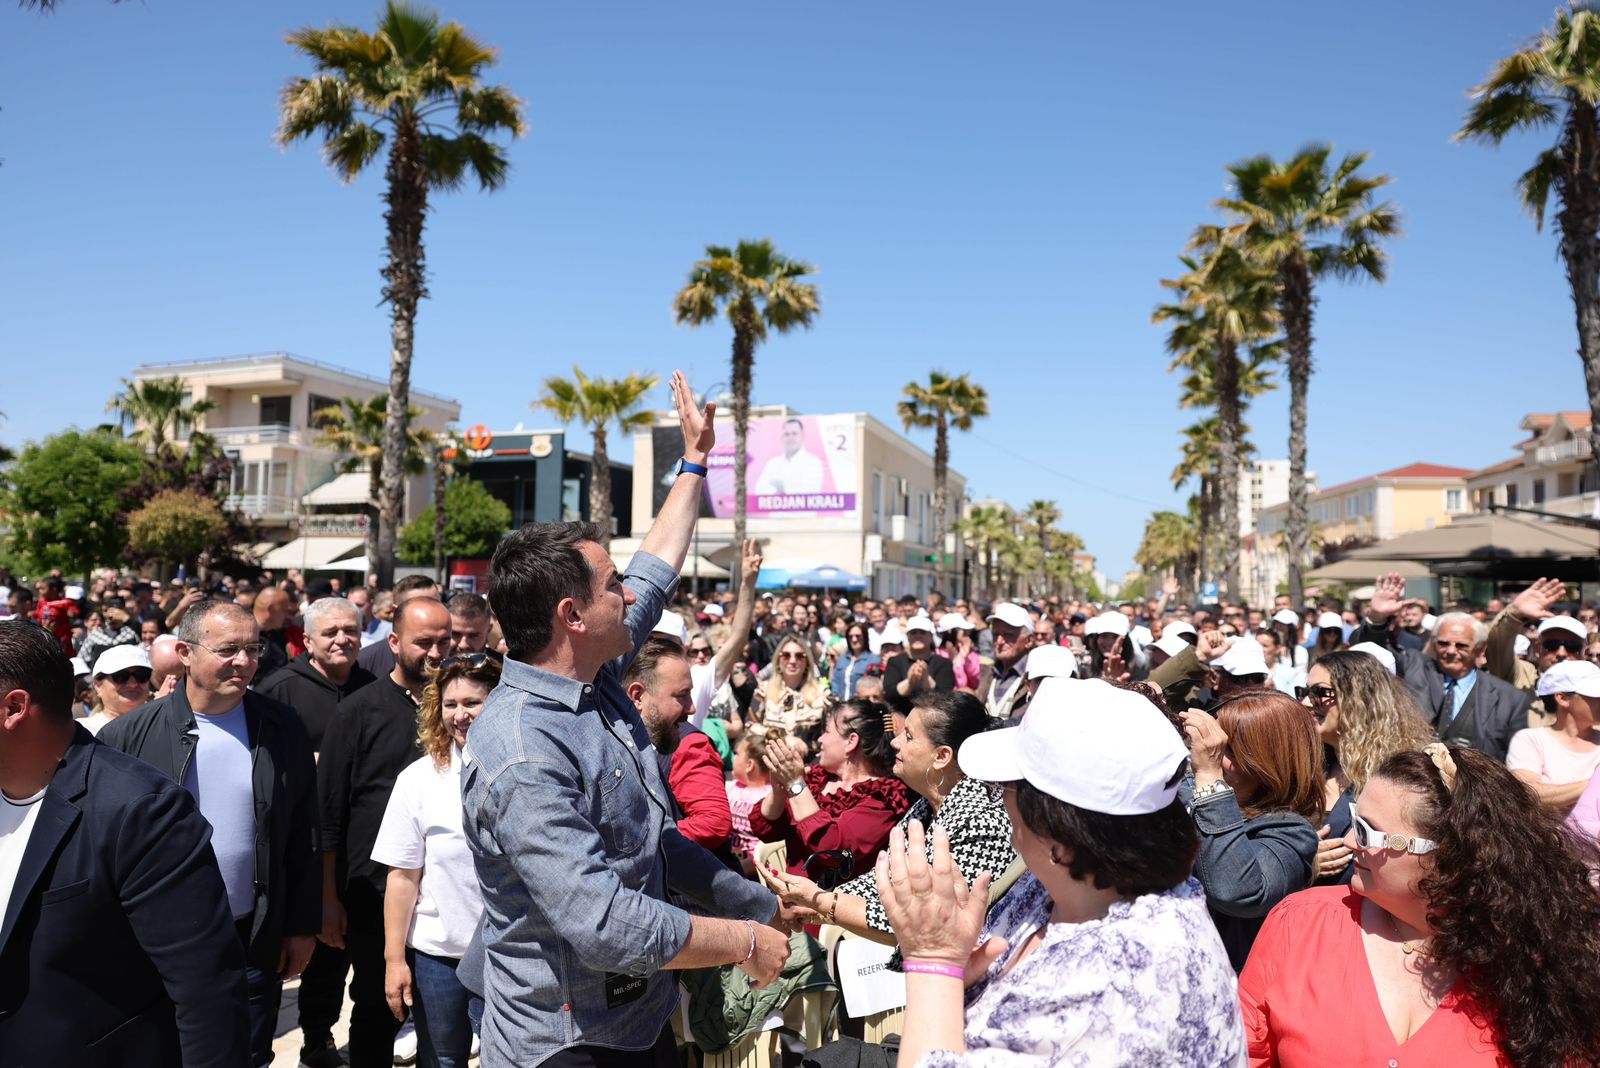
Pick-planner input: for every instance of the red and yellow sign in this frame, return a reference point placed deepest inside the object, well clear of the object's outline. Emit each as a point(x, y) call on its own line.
point(478, 437)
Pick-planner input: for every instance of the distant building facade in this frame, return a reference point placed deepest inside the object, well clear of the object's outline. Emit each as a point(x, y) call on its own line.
point(1553, 471)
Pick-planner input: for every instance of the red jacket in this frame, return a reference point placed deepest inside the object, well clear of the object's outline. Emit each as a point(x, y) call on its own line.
point(858, 819)
point(696, 784)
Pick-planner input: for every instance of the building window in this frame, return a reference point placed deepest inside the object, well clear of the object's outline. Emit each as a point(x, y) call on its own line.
point(1352, 505)
point(1538, 491)
point(1511, 494)
point(1372, 501)
point(877, 502)
point(922, 519)
point(316, 404)
point(275, 411)
point(1452, 500)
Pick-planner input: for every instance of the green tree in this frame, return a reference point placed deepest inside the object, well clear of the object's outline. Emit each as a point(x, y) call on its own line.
point(1171, 543)
point(61, 500)
point(475, 521)
point(757, 289)
point(1306, 221)
point(415, 85)
point(156, 410)
point(355, 430)
point(1225, 303)
point(597, 403)
point(177, 526)
point(1554, 81)
point(985, 527)
point(943, 403)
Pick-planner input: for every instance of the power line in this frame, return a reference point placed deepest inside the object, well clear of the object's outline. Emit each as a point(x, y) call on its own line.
point(1025, 458)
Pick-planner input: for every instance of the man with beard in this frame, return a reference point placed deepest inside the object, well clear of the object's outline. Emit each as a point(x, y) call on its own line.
point(659, 684)
point(374, 736)
point(247, 762)
point(281, 641)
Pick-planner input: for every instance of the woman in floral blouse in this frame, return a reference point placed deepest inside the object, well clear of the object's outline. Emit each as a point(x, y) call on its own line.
point(1103, 954)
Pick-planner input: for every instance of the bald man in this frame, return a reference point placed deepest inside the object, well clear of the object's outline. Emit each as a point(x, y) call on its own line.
point(373, 737)
point(281, 640)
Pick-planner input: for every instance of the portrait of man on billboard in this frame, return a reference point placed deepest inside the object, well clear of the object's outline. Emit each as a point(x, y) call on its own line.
point(796, 471)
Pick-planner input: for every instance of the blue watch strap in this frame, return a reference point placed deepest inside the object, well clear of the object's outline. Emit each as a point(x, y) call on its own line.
point(687, 468)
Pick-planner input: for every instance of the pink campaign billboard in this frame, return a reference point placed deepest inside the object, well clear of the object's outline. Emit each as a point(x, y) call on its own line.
point(800, 465)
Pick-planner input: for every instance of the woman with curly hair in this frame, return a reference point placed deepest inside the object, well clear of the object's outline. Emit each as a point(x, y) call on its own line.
point(1469, 935)
point(1364, 715)
point(793, 699)
point(432, 903)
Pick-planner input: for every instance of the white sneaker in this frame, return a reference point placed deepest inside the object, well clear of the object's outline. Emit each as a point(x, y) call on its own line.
point(405, 1044)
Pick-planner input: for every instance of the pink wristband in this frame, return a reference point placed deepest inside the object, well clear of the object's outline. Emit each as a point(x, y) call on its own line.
point(752, 951)
point(928, 967)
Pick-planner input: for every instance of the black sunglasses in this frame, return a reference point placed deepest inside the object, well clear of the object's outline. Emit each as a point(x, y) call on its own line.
point(1571, 645)
point(829, 868)
point(129, 674)
point(1316, 693)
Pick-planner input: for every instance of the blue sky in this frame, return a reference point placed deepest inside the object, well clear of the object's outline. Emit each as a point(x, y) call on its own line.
point(994, 188)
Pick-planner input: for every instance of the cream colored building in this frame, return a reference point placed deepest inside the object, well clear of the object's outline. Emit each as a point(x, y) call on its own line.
point(1553, 471)
point(283, 479)
point(1418, 496)
point(870, 514)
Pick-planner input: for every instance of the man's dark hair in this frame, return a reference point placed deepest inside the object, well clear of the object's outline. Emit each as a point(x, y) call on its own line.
point(533, 570)
point(192, 627)
point(468, 605)
point(23, 593)
point(31, 659)
point(642, 668)
point(413, 582)
point(908, 599)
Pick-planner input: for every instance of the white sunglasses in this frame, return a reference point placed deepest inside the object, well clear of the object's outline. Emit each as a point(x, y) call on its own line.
point(1367, 837)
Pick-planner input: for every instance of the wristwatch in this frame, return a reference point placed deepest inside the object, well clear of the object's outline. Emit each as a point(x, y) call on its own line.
point(797, 788)
point(686, 468)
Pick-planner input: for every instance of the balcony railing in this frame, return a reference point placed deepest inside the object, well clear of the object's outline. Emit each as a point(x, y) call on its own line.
point(262, 505)
point(270, 434)
point(1566, 452)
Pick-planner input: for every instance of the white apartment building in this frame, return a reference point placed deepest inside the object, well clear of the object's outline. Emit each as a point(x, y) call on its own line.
point(265, 419)
point(1263, 484)
point(1553, 471)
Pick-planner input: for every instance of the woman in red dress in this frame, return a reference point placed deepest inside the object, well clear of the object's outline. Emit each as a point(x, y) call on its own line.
point(1469, 935)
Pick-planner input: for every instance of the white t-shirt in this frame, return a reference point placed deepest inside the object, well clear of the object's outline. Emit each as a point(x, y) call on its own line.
point(703, 683)
point(421, 828)
point(1539, 750)
point(17, 818)
point(800, 473)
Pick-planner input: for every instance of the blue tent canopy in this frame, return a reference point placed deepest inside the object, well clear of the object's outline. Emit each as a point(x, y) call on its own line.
point(826, 578)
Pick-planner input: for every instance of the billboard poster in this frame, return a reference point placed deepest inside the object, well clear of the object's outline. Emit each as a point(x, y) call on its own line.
point(802, 465)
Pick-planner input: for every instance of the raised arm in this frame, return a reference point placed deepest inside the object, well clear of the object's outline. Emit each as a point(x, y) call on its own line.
point(1530, 605)
point(674, 526)
point(744, 612)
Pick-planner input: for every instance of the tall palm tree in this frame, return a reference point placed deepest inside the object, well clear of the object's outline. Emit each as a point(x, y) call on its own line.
point(413, 84)
point(1224, 303)
point(157, 410)
point(1171, 542)
point(758, 289)
point(597, 403)
point(1307, 221)
point(985, 527)
point(943, 403)
point(354, 429)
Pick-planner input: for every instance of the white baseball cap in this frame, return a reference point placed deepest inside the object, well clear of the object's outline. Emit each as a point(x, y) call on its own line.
point(1172, 643)
point(1088, 743)
point(954, 621)
point(671, 625)
point(1243, 656)
point(712, 609)
point(1570, 676)
point(892, 634)
point(1286, 616)
point(120, 658)
point(1521, 645)
point(1377, 652)
point(1141, 636)
point(1179, 628)
point(1013, 614)
point(1330, 619)
point(1564, 623)
point(919, 622)
point(1052, 662)
point(79, 668)
point(1107, 623)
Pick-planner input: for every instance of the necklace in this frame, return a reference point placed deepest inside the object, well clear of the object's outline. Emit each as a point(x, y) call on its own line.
point(1408, 948)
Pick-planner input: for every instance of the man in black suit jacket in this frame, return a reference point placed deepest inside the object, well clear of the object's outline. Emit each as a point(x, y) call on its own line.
point(1465, 706)
point(116, 943)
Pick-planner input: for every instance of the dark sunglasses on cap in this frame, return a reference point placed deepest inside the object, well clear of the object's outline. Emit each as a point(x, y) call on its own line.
point(1555, 645)
point(472, 660)
point(829, 868)
point(126, 675)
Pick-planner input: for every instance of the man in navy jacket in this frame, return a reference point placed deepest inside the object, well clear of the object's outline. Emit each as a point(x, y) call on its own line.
point(116, 943)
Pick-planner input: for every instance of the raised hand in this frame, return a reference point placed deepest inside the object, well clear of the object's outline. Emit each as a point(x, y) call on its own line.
point(1169, 587)
point(1211, 644)
point(935, 916)
point(751, 562)
point(1535, 601)
point(1207, 742)
point(1332, 854)
point(1387, 594)
point(699, 427)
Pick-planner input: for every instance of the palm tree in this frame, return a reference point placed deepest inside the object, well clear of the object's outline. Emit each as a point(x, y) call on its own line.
point(984, 528)
point(448, 461)
point(157, 410)
point(1225, 303)
point(1039, 519)
point(354, 429)
point(944, 402)
point(597, 403)
point(413, 84)
point(1171, 542)
point(1305, 222)
point(1555, 82)
point(758, 289)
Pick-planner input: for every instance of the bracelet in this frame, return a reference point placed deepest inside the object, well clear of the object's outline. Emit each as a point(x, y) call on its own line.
point(1209, 790)
point(928, 967)
point(752, 951)
point(833, 908)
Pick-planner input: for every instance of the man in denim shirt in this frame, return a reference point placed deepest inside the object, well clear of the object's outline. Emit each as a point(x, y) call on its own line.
point(567, 814)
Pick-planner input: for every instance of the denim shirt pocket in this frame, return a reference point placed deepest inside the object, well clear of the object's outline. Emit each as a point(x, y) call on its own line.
point(622, 808)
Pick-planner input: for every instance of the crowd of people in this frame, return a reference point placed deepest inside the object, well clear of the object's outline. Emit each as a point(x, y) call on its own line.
point(1144, 833)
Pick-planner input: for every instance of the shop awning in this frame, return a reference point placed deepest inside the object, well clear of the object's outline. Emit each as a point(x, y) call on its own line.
point(1348, 570)
point(311, 552)
point(352, 487)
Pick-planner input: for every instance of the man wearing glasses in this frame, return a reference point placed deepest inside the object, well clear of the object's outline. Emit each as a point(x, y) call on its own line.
point(1559, 638)
point(1465, 706)
point(247, 762)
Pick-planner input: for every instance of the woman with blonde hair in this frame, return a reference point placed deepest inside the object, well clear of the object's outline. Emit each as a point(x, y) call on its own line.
point(1364, 715)
point(793, 699)
point(432, 903)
